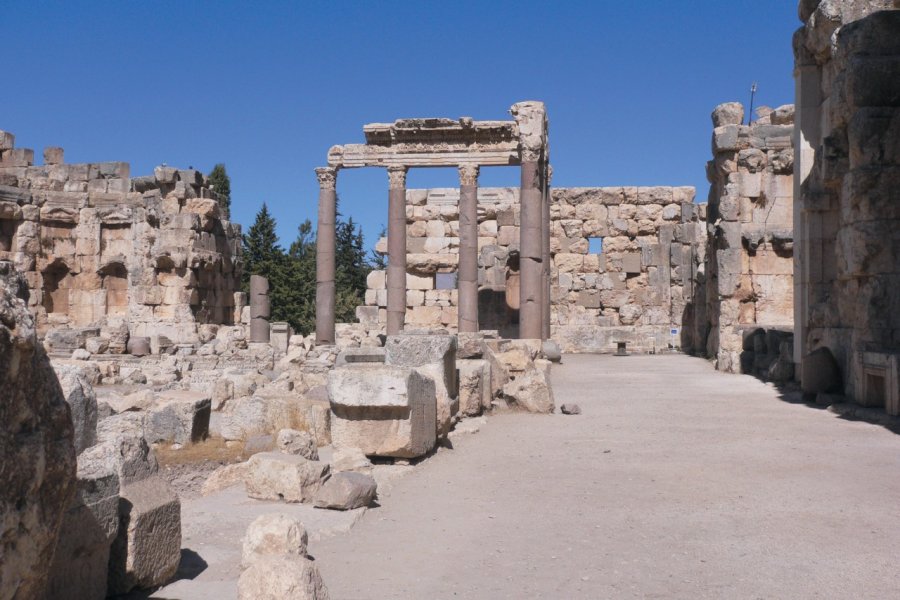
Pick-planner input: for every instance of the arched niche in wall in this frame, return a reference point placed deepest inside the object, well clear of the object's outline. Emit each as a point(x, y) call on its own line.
point(57, 282)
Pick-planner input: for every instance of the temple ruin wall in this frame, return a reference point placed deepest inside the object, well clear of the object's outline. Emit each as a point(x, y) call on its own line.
point(111, 256)
point(637, 288)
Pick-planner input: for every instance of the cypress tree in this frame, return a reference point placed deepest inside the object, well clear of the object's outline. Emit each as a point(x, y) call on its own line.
point(221, 184)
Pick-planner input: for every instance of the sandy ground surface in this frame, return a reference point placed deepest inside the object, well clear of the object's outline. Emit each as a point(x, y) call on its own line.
point(675, 482)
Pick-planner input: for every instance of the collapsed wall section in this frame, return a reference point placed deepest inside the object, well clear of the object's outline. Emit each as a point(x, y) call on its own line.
point(109, 256)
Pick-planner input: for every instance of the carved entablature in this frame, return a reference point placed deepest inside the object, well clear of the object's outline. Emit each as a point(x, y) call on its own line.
point(439, 142)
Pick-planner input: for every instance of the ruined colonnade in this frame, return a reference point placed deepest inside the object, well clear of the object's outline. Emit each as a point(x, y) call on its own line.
point(467, 145)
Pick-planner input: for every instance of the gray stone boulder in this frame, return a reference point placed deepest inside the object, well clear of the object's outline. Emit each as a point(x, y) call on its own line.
point(147, 548)
point(820, 373)
point(346, 491)
point(551, 351)
point(82, 401)
point(37, 450)
point(288, 477)
point(120, 442)
point(301, 443)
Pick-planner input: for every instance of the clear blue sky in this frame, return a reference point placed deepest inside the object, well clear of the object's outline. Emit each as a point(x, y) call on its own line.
point(268, 87)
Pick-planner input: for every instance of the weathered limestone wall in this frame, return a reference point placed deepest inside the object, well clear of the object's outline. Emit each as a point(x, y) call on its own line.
point(637, 289)
point(114, 256)
point(750, 242)
point(847, 71)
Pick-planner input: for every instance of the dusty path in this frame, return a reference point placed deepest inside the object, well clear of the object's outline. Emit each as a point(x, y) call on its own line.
point(676, 482)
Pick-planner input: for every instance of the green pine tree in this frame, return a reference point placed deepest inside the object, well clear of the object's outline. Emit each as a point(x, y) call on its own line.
point(351, 269)
point(221, 185)
point(377, 260)
point(262, 254)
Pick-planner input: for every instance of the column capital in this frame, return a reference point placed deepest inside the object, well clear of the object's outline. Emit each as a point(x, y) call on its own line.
point(397, 176)
point(327, 177)
point(468, 174)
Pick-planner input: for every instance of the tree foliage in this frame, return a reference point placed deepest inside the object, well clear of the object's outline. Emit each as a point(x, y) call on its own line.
point(292, 273)
point(221, 185)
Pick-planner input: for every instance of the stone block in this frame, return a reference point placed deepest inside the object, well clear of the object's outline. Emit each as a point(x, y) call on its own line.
point(179, 417)
point(82, 401)
point(288, 477)
point(416, 350)
point(349, 356)
point(147, 548)
point(345, 491)
point(728, 113)
point(383, 410)
point(631, 263)
point(81, 560)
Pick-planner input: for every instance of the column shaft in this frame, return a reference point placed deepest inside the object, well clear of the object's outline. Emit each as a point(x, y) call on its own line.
point(530, 252)
point(325, 240)
point(545, 254)
point(396, 271)
point(467, 276)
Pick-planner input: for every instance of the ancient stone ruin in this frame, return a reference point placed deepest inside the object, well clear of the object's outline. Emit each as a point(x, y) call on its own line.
point(110, 258)
point(126, 343)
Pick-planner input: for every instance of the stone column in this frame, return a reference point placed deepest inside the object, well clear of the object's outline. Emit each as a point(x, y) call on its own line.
point(807, 137)
point(396, 271)
point(545, 253)
point(531, 244)
point(467, 280)
point(259, 309)
point(327, 177)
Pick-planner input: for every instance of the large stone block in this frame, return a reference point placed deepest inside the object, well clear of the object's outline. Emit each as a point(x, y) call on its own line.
point(37, 454)
point(383, 410)
point(82, 401)
point(81, 560)
point(416, 350)
point(147, 549)
point(179, 417)
point(288, 477)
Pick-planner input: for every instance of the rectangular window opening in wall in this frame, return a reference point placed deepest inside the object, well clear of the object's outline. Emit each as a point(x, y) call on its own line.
point(595, 245)
point(445, 281)
point(875, 390)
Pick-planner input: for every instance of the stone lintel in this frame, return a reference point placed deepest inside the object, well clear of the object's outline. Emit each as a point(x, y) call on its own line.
point(365, 155)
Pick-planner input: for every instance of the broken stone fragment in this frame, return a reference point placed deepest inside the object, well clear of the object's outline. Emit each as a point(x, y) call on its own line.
point(350, 459)
point(179, 417)
point(301, 443)
point(225, 477)
point(531, 392)
point(346, 491)
point(570, 409)
point(277, 476)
